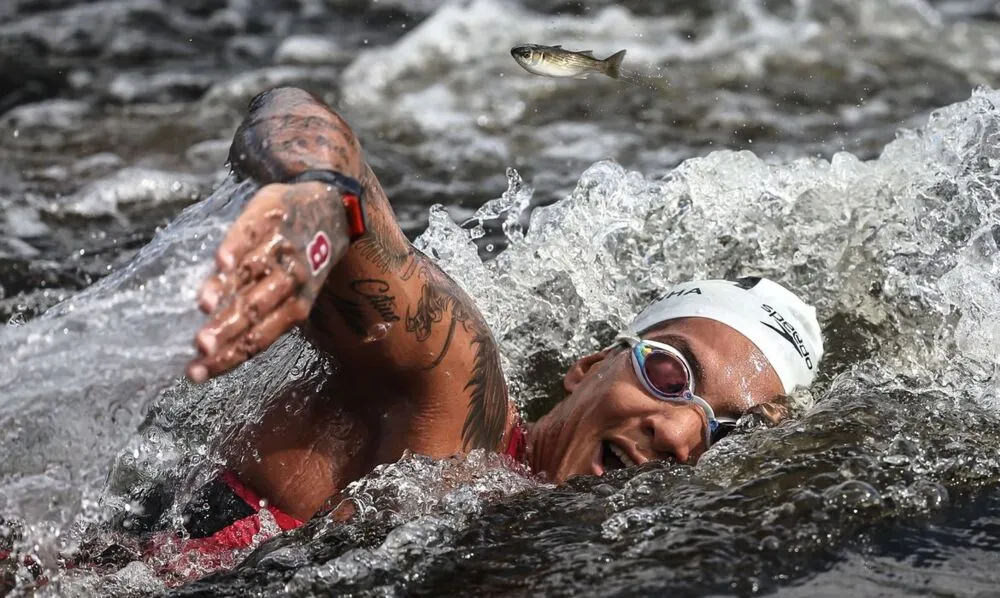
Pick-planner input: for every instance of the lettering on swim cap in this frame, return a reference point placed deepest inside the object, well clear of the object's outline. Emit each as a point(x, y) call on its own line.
point(794, 353)
point(788, 332)
point(682, 292)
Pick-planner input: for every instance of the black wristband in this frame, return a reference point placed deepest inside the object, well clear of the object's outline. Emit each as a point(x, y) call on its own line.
point(351, 191)
point(330, 177)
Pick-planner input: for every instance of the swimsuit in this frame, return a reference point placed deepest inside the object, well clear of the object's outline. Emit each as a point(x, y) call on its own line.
point(226, 515)
point(223, 517)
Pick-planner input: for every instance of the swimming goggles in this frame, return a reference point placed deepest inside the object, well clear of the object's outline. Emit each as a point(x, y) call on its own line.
point(667, 375)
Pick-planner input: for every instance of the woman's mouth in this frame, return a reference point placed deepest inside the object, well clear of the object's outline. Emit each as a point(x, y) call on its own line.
point(613, 457)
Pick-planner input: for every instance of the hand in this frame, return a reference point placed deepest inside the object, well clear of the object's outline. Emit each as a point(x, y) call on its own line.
point(271, 267)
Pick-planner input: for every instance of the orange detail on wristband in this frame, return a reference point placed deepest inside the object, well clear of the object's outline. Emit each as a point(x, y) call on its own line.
point(355, 216)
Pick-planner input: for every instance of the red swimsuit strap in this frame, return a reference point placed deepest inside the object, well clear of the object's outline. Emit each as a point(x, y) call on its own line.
point(284, 521)
point(242, 532)
point(517, 446)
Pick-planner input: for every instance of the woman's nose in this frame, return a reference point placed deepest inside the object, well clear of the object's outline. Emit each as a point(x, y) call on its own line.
point(675, 431)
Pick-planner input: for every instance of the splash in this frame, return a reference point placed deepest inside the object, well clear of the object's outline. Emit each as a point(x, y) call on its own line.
point(77, 381)
point(898, 252)
point(900, 245)
point(891, 250)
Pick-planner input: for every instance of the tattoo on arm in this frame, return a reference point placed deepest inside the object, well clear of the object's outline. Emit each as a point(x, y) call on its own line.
point(383, 245)
point(287, 131)
point(484, 426)
point(430, 310)
point(374, 249)
point(439, 314)
point(352, 313)
point(376, 292)
point(442, 299)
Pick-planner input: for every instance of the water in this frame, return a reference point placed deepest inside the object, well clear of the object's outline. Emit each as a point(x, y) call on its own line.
point(843, 148)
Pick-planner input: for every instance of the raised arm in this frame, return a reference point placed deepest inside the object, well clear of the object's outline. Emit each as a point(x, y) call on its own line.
point(387, 314)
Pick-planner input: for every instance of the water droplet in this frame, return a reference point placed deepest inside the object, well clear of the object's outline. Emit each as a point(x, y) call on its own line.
point(378, 332)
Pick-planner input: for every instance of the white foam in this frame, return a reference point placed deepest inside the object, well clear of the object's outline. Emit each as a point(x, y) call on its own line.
point(832, 230)
point(135, 186)
point(308, 50)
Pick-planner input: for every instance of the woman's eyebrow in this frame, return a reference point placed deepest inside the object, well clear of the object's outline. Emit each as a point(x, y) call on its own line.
point(681, 344)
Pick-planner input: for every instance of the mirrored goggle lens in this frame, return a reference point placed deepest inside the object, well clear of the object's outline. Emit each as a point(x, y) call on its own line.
point(665, 372)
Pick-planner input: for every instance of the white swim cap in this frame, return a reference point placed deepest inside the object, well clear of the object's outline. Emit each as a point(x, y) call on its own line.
point(780, 324)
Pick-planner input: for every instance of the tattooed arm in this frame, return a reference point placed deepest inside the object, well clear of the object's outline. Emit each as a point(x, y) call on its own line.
point(396, 324)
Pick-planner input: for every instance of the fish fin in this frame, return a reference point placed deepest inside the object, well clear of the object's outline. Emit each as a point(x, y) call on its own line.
point(557, 46)
point(613, 64)
point(587, 53)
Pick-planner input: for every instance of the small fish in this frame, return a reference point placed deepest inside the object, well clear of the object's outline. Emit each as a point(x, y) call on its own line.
point(554, 61)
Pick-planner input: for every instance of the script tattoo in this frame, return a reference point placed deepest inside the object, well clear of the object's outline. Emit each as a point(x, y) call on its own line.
point(288, 131)
point(441, 314)
point(376, 292)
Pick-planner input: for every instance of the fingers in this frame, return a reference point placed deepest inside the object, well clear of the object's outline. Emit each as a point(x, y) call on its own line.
point(269, 294)
point(271, 265)
point(246, 309)
point(255, 265)
point(255, 224)
point(251, 342)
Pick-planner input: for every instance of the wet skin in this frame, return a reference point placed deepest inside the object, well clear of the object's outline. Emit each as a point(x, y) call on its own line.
point(418, 368)
point(606, 402)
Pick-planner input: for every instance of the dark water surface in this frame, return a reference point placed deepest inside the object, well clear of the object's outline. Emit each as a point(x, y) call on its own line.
point(869, 182)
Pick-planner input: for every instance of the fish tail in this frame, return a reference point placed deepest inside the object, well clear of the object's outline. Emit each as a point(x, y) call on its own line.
point(613, 64)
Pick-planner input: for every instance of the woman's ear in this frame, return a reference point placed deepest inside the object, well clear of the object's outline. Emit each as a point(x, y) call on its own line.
point(579, 370)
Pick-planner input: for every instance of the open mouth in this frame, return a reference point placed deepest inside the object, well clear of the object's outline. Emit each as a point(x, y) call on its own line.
point(612, 457)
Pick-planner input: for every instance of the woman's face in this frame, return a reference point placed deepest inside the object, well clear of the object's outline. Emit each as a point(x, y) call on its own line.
point(609, 420)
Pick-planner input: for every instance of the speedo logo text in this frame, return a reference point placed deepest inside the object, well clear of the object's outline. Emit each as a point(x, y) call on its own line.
point(788, 332)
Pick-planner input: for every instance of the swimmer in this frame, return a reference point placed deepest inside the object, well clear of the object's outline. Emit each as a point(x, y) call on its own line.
point(318, 247)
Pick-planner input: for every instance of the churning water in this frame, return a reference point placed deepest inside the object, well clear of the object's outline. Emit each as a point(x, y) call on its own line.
point(848, 149)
